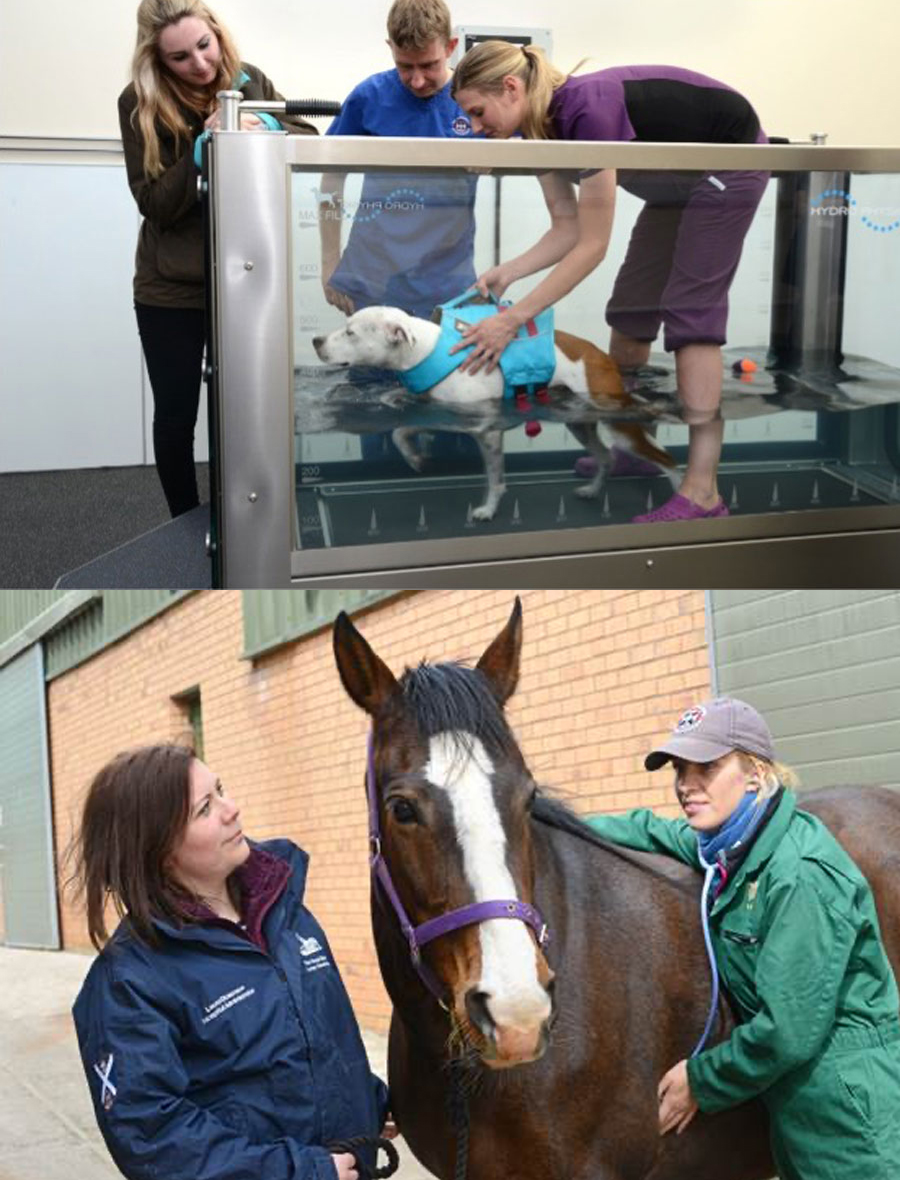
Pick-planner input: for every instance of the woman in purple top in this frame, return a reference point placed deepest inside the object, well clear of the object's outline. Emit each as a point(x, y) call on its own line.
point(686, 242)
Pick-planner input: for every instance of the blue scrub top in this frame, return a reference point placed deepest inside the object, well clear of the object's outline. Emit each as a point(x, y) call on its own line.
point(412, 240)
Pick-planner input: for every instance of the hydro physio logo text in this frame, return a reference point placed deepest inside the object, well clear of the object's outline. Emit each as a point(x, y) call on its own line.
point(836, 202)
point(399, 200)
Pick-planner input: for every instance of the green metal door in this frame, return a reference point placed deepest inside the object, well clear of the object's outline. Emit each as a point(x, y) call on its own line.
point(27, 878)
point(824, 668)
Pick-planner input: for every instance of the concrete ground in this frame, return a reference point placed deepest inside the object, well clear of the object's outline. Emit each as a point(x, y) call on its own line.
point(47, 1128)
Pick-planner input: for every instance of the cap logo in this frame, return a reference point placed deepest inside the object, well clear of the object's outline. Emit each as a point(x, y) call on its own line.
point(690, 719)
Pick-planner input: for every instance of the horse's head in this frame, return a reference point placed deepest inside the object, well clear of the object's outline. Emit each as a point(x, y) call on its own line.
point(454, 796)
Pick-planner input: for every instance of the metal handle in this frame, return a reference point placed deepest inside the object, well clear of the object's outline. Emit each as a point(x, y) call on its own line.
point(232, 102)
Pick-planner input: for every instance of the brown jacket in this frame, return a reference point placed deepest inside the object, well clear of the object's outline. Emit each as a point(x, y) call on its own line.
point(169, 270)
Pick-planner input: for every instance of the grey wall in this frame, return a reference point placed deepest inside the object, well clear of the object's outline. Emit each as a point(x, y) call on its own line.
point(824, 669)
point(72, 389)
point(27, 876)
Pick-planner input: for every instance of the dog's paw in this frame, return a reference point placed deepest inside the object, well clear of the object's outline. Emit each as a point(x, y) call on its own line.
point(393, 398)
point(483, 512)
point(588, 491)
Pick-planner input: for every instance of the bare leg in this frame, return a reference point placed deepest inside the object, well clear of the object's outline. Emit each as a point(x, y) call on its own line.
point(627, 352)
point(698, 369)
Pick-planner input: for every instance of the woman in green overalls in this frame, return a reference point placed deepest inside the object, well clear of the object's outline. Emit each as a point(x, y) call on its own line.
point(797, 943)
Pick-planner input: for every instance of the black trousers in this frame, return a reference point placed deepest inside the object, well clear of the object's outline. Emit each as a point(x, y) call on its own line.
point(173, 339)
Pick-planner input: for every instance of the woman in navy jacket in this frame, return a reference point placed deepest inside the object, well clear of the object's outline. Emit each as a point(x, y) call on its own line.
point(215, 1032)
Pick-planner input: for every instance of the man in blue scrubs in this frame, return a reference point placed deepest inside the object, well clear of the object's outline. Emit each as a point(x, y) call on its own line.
point(411, 241)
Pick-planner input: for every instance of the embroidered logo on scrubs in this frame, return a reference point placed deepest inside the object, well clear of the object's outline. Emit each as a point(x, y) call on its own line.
point(461, 125)
point(103, 1069)
point(690, 719)
point(314, 958)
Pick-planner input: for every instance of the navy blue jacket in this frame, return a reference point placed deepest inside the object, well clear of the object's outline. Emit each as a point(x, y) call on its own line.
point(207, 1058)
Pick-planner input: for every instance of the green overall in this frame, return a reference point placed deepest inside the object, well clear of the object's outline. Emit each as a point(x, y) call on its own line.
point(798, 946)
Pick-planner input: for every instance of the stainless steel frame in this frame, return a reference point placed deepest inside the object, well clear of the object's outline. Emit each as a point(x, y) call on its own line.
point(252, 316)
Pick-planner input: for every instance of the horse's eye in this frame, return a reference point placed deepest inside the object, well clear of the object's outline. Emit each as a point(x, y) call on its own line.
point(403, 811)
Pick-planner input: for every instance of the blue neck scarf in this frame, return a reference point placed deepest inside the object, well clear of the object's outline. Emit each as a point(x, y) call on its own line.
point(713, 847)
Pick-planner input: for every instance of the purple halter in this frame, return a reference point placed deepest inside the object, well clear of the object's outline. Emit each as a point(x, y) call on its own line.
point(418, 936)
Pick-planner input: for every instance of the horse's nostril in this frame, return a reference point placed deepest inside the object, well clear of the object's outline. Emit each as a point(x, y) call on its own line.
point(479, 1014)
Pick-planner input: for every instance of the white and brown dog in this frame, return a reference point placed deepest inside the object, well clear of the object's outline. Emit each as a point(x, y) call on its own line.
point(388, 338)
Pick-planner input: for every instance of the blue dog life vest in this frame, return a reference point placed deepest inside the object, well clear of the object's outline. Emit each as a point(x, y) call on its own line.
point(527, 362)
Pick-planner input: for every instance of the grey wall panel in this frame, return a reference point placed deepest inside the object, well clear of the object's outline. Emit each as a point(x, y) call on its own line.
point(274, 617)
point(19, 607)
point(73, 392)
point(110, 617)
point(26, 826)
point(824, 667)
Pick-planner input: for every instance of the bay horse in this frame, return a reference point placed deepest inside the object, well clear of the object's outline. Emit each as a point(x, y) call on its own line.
point(562, 1041)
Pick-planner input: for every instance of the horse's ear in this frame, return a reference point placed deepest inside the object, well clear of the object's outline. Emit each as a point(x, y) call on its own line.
point(500, 663)
point(367, 679)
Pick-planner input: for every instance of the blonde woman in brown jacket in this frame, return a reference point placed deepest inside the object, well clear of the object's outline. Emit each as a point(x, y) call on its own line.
point(183, 57)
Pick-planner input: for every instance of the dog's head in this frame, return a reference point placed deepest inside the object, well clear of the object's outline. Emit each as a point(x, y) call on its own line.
point(382, 337)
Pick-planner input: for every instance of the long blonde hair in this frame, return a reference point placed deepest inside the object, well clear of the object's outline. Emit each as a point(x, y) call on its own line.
point(486, 65)
point(160, 94)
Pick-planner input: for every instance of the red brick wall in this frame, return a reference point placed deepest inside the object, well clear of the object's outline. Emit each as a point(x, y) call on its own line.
point(604, 673)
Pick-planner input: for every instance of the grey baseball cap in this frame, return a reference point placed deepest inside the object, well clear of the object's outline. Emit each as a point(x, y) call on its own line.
point(712, 729)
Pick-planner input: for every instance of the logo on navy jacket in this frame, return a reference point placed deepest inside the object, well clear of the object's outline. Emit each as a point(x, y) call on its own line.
point(461, 125)
point(311, 953)
point(104, 1071)
point(221, 1004)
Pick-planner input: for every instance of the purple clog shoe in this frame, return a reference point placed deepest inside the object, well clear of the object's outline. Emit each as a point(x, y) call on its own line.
point(681, 508)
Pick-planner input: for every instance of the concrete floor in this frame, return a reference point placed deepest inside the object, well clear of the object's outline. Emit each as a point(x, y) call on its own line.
point(47, 1128)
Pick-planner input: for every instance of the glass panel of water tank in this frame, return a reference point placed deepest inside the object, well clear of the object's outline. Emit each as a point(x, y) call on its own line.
point(375, 462)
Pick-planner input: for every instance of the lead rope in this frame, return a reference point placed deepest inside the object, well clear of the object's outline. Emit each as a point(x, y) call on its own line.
point(357, 1143)
point(459, 1118)
point(711, 871)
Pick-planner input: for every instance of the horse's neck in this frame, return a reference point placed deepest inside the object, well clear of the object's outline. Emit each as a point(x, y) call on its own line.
point(582, 888)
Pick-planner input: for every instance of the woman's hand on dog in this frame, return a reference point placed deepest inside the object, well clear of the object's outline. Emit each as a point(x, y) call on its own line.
point(487, 340)
point(493, 282)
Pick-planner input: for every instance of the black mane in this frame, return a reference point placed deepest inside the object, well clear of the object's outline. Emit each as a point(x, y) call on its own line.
point(553, 813)
point(454, 697)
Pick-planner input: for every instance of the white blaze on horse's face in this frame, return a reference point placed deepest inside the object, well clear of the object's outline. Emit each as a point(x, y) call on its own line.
point(517, 1002)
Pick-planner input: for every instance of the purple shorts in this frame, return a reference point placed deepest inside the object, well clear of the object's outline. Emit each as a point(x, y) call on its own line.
point(683, 253)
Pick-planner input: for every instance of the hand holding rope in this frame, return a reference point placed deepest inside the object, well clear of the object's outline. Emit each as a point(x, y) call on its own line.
point(357, 1144)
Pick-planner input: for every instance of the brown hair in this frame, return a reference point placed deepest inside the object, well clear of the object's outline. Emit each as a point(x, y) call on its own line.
point(413, 24)
point(486, 65)
point(160, 94)
point(136, 809)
